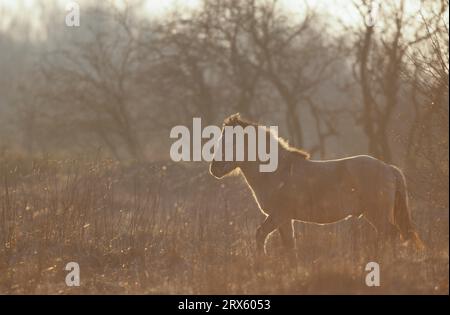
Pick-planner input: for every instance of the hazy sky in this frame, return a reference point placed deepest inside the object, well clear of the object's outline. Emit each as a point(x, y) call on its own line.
point(31, 12)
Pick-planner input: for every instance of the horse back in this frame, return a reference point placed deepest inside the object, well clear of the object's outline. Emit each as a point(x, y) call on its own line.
point(327, 191)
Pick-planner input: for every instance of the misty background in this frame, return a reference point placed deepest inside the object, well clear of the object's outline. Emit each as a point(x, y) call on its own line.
point(335, 85)
point(85, 116)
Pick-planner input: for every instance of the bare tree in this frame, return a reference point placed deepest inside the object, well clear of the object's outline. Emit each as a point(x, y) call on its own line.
point(292, 55)
point(428, 75)
point(92, 79)
point(381, 54)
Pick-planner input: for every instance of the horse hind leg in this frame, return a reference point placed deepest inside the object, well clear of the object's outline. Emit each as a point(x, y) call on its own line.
point(387, 233)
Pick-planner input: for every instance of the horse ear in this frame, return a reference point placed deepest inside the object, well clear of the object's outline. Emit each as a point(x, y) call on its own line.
point(232, 119)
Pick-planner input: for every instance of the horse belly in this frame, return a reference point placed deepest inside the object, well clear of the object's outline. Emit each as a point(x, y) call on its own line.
point(331, 214)
point(329, 208)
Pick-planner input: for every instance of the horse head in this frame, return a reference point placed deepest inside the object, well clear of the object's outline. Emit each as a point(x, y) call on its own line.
point(219, 166)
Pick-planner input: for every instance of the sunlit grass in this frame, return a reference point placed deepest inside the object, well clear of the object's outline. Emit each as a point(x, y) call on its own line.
point(164, 228)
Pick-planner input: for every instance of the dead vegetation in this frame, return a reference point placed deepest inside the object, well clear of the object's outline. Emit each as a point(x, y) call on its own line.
point(143, 228)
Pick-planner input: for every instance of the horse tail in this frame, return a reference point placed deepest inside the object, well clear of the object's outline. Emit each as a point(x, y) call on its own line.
point(402, 213)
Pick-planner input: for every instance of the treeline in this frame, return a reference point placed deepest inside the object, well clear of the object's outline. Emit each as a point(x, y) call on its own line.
point(118, 83)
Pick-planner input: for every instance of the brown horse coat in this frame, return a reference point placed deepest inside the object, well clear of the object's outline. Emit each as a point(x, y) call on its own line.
point(324, 192)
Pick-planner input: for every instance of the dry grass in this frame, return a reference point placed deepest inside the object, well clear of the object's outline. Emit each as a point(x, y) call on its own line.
point(166, 229)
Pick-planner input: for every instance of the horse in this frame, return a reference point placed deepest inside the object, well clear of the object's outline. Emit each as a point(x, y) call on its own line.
point(321, 191)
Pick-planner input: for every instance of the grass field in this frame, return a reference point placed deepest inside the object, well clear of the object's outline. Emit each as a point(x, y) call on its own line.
point(164, 228)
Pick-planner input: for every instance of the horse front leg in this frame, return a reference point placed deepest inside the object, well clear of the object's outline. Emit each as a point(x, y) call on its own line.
point(286, 230)
point(267, 227)
point(287, 235)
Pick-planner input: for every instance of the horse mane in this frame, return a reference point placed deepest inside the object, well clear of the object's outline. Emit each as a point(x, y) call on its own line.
point(236, 119)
